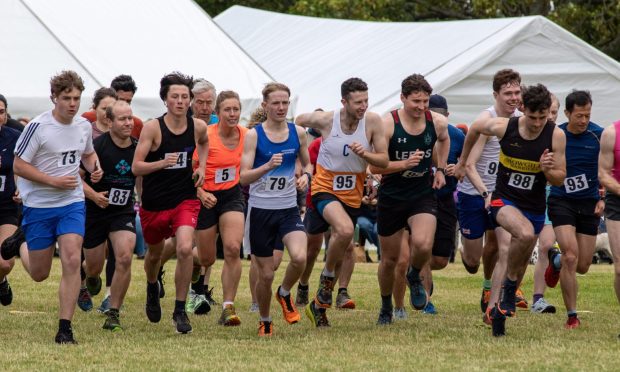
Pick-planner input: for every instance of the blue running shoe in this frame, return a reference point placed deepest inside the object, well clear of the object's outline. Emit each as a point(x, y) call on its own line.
point(85, 302)
point(105, 306)
point(417, 292)
point(429, 309)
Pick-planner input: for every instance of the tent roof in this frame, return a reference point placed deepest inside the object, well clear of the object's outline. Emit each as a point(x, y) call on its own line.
point(100, 40)
point(314, 55)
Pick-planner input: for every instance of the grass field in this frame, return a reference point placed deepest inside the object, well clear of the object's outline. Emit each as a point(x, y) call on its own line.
point(454, 339)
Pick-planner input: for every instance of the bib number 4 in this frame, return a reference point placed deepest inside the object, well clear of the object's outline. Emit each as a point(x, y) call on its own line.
point(521, 181)
point(344, 182)
point(181, 160)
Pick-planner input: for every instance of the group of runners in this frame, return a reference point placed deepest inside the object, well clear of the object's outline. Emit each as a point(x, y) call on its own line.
point(515, 175)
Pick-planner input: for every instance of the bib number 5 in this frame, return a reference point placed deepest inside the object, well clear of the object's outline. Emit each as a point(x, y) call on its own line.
point(225, 174)
point(344, 182)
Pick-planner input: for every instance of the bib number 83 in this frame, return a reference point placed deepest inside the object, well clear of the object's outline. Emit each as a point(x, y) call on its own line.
point(119, 196)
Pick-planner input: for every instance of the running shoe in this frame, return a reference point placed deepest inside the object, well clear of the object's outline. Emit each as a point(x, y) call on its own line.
point(65, 337)
point(84, 301)
point(265, 328)
point(552, 276)
point(484, 299)
point(572, 322)
point(209, 297)
point(386, 317)
point(197, 304)
point(317, 315)
point(429, 309)
point(153, 308)
point(542, 307)
point(10, 246)
point(344, 301)
point(112, 322)
point(160, 279)
point(6, 293)
point(229, 317)
point(253, 308)
point(507, 303)
point(324, 293)
point(105, 305)
point(302, 297)
point(195, 274)
point(417, 292)
point(291, 315)
point(93, 284)
point(520, 300)
point(181, 322)
point(498, 321)
point(400, 313)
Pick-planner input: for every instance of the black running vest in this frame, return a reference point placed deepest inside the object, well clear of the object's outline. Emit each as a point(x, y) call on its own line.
point(519, 177)
point(167, 188)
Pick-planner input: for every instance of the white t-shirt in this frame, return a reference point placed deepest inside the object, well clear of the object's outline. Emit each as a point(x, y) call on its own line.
point(55, 149)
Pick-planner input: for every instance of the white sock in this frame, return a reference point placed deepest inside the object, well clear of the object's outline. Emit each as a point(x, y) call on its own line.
point(226, 303)
point(283, 293)
point(330, 274)
point(265, 319)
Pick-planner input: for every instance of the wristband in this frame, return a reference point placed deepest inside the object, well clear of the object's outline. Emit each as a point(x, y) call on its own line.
point(309, 176)
point(440, 170)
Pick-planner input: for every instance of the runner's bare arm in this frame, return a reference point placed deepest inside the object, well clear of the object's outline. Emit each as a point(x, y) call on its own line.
point(202, 147)
point(26, 170)
point(393, 166)
point(379, 156)
point(553, 163)
point(139, 166)
point(319, 120)
point(491, 127)
point(304, 159)
point(247, 174)
point(470, 166)
point(606, 160)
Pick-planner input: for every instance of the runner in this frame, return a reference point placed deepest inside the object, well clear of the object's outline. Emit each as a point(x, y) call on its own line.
point(349, 137)
point(407, 193)
point(268, 165)
point(609, 177)
point(575, 207)
point(109, 208)
point(531, 153)
point(47, 158)
point(474, 192)
point(169, 203)
point(222, 200)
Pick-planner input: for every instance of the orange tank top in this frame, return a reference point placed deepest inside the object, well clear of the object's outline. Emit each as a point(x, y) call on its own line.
point(222, 170)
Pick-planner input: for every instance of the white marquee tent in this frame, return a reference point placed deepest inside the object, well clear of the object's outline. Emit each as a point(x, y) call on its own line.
point(103, 39)
point(459, 58)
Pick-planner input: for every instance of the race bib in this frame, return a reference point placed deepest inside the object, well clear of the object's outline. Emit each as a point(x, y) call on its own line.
point(344, 182)
point(181, 160)
point(225, 174)
point(274, 184)
point(491, 168)
point(2, 183)
point(119, 196)
point(521, 181)
point(68, 158)
point(576, 183)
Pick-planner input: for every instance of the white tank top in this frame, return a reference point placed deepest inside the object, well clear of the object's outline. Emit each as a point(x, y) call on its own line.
point(487, 164)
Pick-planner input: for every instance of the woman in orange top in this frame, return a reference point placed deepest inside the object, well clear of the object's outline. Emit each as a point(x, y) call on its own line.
point(222, 200)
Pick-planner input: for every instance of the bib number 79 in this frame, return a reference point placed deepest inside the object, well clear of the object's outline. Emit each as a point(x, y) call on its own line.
point(275, 183)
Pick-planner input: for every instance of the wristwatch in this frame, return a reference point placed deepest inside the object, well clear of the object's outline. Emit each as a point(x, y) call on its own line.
point(484, 194)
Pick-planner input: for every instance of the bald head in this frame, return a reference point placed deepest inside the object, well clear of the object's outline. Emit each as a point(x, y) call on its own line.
point(120, 119)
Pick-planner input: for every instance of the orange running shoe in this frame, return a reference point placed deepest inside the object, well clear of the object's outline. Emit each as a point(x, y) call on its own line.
point(572, 322)
point(229, 317)
point(265, 329)
point(344, 301)
point(484, 299)
point(289, 310)
point(520, 300)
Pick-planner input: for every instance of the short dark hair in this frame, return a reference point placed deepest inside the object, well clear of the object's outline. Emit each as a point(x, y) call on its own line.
point(64, 81)
point(174, 78)
point(505, 76)
point(352, 85)
point(224, 95)
point(578, 98)
point(536, 98)
point(415, 83)
point(102, 93)
point(124, 83)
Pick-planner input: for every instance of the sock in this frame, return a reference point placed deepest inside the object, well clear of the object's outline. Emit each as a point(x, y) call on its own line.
point(283, 293)
point(303, 286)
point(330, 274)
point(114, 311)
point(571, 313)
point(107, 291)
point(179, 306)
point(510, 283)
point(415, 273)
point(226, 303)
point(557, 262)
point(341, 290)
point(82, 273)
point(199, 286)
point(64, 325)
point(536, 297)
point(486, 284)
point(386, 302)
point(265, 319)
point(152, 287)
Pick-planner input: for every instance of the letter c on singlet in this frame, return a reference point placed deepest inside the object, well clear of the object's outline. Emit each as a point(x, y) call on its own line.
point(345, 151)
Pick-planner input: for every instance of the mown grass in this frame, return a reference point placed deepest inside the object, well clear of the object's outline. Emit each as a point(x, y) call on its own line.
point(454, 339)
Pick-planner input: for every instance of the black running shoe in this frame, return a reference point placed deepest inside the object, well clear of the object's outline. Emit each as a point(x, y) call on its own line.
point(325, 292)
point(112, 321)
point(209, 297)
point(385, 317)
point(498, 322)
point(181, 322)
point(417, 292)
point(160, 279)
point(507, 305)
point(65, 337)
point(93, 284)
point(153, 308)
point(6, 294)
point(10, 246)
